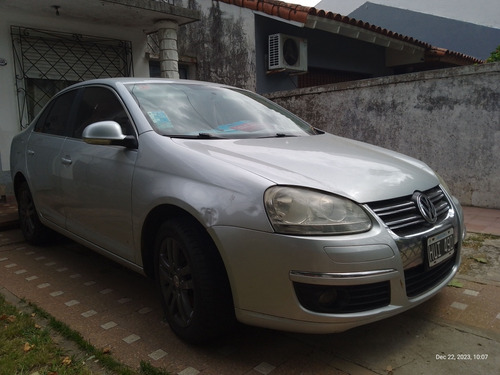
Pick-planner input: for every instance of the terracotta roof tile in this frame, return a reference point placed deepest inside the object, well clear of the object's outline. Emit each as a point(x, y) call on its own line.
point(445, 55)
point(299, 13)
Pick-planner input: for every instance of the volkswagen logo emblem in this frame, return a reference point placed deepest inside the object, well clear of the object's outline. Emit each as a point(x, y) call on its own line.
point(426, 207)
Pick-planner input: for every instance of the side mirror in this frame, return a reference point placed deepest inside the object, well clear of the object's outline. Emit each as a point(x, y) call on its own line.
point(108, 133)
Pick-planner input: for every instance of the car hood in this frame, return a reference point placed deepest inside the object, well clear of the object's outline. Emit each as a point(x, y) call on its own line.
point(356, 170)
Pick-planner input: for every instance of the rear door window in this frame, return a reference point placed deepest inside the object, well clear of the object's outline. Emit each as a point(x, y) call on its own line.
point(56, 118)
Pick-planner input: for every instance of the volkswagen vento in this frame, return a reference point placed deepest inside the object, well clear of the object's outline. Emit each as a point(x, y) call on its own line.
point(237, 208)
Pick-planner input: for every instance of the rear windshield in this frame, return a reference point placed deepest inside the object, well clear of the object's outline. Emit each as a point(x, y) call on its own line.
point(201, 111)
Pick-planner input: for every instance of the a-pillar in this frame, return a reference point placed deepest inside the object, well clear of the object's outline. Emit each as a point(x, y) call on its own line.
point(169, 56)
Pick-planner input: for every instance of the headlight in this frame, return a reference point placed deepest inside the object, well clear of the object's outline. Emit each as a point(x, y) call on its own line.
point(294, 210)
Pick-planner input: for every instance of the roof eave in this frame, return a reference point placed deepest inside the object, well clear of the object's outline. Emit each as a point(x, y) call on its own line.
point(335, 23)
point(369, 35)
point(436, 54)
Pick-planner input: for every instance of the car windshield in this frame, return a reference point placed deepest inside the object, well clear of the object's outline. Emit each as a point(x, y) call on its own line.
point(202, 111)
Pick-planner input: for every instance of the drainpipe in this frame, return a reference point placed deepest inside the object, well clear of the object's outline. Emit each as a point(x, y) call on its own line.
point(169, 57)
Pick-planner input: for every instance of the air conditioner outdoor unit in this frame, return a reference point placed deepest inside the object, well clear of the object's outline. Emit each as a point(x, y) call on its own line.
point(287, 52)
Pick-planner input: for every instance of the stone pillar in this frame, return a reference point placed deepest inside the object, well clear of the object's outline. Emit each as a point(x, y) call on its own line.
point(169, 57)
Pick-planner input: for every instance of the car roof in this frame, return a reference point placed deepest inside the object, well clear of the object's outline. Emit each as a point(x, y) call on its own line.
point(128, 80)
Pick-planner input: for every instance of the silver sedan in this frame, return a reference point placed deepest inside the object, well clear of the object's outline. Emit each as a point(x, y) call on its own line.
point(238, 209)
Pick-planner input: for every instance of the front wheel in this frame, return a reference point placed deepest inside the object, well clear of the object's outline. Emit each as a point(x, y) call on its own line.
point(192, 280)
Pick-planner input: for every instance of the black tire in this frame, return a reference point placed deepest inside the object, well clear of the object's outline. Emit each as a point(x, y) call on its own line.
point(33, 230)
point(192, 281)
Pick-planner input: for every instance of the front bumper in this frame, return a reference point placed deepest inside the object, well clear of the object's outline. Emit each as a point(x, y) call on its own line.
point(277, 280)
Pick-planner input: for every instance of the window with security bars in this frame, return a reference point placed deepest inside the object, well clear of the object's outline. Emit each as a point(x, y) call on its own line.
point(46, 62)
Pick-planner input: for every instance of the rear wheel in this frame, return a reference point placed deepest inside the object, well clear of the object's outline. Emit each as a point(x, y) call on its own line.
point(191, 277)
point(33, 230)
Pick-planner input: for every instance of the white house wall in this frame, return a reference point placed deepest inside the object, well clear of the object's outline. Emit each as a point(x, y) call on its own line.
point(10, 123)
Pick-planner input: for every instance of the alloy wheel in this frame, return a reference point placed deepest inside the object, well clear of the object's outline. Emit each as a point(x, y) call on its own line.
point(176, 281)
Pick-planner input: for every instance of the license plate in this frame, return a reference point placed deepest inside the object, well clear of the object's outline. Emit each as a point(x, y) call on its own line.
point(440, 247)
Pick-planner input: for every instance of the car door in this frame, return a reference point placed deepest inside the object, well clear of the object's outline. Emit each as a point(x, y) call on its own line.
point(44, 160)
point(97, 179)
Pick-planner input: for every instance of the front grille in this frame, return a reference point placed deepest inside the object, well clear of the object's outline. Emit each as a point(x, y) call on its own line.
point(343, 299)
point(419, 279)
point(402, 216)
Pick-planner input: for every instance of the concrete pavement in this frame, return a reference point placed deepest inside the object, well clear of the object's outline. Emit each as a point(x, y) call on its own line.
point(456, 331)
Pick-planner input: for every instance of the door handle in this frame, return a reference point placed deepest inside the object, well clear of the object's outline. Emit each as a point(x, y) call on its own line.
point(31, 152)
point(66, 160)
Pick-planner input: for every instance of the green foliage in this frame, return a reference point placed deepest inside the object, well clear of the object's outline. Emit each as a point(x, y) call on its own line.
point(495, 55)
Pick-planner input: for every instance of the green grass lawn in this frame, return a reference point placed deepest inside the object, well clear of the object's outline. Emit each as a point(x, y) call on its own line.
point(27, 347)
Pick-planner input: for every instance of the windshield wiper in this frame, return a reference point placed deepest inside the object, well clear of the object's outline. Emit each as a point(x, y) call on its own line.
point(209, 136)
point(279, 135)
point(195, 136)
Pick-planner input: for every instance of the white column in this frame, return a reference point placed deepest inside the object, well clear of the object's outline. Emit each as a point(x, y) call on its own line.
point(169, 57)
